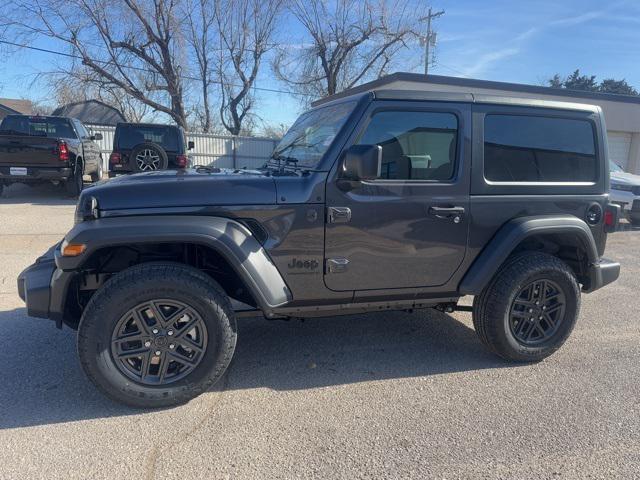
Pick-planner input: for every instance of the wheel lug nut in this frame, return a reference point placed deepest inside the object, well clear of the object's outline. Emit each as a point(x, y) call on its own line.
point(147, 344)
point(539, 318)
point(531, 310)
point(537, 303)
point(544, 308)
point(172, 346)
point(158, 352)
point(170, 332)
point(155, 330)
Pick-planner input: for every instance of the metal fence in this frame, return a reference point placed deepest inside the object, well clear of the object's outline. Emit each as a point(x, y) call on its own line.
point(212, 150)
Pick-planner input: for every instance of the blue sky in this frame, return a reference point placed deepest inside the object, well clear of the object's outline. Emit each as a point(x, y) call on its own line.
point(514, 41)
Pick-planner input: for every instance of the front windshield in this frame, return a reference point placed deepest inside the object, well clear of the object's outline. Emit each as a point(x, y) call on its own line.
point(311, 135)
point(614, 167)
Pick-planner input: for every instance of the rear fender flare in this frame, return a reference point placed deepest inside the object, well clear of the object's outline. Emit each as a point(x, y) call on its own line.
point(511, 234)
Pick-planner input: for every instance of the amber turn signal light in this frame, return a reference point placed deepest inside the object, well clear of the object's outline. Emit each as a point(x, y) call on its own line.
point(73, 249)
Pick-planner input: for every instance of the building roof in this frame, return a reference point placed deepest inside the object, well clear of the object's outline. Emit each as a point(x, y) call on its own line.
point(471, 83)
point(14, 105)
point(93, 112)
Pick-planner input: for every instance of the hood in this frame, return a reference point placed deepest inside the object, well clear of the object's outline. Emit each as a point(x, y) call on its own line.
point(184, 188)
point(625, 178)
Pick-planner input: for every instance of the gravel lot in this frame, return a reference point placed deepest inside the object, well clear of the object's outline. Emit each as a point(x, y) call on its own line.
point(388, 395)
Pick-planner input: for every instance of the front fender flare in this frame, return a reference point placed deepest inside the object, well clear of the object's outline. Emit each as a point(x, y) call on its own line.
point(228, 237)
point(486, 265)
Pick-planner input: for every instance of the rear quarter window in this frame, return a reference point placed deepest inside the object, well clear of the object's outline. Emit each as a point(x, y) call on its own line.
point(538, 149)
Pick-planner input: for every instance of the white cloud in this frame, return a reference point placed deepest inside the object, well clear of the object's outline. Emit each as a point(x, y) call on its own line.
point(515, 45)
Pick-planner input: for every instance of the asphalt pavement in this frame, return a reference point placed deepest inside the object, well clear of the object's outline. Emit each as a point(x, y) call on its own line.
point(388, 395)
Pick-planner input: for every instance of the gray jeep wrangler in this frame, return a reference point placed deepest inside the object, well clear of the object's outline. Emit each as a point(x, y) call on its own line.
point(373, 201)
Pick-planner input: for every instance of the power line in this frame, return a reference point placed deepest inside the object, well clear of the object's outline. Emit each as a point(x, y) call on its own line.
point(131, 67)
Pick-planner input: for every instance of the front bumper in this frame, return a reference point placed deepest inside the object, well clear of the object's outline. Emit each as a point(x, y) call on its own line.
point(43, 288)
point(36, 174)
point(602, 273)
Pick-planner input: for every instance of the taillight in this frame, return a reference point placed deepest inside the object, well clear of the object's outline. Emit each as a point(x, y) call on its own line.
point(610, 219)
point(182, 160)
point(115, 157)
point(63, 151)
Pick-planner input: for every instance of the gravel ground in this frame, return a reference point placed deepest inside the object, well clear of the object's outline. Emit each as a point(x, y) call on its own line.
point(388, 395)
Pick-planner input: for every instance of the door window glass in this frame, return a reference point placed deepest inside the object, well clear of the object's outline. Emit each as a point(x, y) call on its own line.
point(415, 145)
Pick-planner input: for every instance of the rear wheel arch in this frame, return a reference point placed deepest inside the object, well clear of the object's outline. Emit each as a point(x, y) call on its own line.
point(565, 237)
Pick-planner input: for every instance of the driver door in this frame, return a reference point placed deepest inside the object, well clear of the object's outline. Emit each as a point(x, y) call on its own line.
point(409, 227)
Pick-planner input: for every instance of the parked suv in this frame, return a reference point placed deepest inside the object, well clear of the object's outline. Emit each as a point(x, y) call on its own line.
point(146, 147)
point(375, 201)
point(48, 149)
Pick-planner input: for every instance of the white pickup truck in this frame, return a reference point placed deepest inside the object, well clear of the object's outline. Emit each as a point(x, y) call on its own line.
point(625, 191)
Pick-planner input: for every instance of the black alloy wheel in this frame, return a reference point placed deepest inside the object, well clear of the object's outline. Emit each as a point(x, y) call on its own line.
point(159, 342)
point(537, 312)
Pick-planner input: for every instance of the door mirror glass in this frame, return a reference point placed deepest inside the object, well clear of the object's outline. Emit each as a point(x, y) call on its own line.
point(362, 162)
point(191, 145)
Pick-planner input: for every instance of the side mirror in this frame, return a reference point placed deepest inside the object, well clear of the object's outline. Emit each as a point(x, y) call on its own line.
point(362, 162)
point(96, 136)
point(191, 145)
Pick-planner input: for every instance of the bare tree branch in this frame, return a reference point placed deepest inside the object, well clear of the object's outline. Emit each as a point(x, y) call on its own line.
point(351, 41)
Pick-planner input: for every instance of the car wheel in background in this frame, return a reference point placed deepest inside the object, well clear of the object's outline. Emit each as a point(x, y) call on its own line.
point(75, 184)
point(148, 157)
point(97, 175)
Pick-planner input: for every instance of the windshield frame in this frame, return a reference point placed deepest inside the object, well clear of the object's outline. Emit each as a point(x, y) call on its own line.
point(325, 162)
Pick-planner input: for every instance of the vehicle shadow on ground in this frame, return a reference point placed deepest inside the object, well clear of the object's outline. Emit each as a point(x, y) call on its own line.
point(43, 382)
point(37, 194)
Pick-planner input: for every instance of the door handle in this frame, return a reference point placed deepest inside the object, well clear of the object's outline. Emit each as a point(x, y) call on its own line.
point(447, 213)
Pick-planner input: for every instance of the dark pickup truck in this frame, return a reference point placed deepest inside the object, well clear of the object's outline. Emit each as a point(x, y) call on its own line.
point(56, 149)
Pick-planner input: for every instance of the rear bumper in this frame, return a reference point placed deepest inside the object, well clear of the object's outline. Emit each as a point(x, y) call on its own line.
point(43, 288)
point(36, 174)
point(602, 273)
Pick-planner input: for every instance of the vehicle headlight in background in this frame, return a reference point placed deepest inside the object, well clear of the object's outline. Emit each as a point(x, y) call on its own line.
point(621, 187)
point(86, 209)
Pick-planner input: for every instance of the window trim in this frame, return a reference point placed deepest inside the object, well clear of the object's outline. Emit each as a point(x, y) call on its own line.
point(596, 150)
point(409, 181)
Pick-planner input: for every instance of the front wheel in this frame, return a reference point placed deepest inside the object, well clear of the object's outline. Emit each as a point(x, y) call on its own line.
point(529, 308)
point(157, 335)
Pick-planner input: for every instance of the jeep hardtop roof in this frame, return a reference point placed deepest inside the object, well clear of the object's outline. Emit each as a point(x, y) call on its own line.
point(384, 88)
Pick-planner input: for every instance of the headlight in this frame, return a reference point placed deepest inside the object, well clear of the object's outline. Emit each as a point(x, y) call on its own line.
point(621, 187)
point(86, 209)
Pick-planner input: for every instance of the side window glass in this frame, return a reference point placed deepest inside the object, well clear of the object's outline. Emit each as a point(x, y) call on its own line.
point(521, 148)
point(415, 145)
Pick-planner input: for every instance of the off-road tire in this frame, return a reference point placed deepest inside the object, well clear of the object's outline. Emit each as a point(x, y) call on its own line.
point(163, 163)
point(147, 282)
point(491, 309)
point(75, 183)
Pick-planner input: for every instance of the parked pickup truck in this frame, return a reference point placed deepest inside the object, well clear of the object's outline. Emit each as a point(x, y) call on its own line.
point(373, 201)
point(56, 149)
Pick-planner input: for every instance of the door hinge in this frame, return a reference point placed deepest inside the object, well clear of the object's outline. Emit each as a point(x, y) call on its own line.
point(339, 214)
point(337, 265)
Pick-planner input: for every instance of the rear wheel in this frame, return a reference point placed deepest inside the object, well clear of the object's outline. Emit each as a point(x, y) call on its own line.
point(157, 335)
point(75, 184)
point(97, 175)
point(529, 309)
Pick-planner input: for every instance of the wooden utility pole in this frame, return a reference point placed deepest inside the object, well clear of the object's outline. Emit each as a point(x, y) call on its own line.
point(429, 39)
